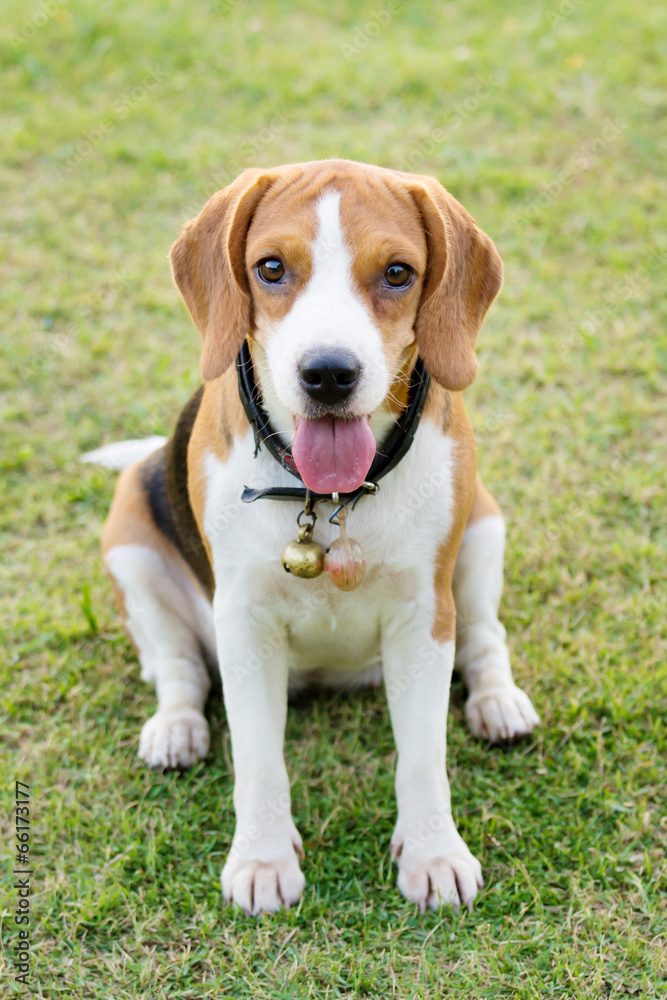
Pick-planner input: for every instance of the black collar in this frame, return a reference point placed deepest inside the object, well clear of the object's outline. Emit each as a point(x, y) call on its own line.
point(394, 447)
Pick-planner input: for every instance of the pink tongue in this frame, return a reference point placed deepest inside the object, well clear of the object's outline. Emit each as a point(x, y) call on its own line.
point(333, 456)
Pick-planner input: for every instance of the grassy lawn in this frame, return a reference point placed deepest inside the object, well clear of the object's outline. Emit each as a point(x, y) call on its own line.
point(547, 121)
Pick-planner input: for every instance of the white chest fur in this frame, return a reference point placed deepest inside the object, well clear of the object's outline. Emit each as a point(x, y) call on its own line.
point(399, 530)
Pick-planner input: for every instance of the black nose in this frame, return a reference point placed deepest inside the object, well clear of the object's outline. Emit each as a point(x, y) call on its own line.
point(329, 376)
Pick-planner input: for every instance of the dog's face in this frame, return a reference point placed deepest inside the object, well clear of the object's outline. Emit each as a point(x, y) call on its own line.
point(335, 289)
point(340, 272)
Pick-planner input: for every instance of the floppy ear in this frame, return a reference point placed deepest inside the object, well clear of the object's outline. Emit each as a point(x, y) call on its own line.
point(464, 275)
point(208, 265)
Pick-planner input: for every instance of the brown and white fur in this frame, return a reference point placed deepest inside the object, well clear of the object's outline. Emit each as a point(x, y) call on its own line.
point(197, 574)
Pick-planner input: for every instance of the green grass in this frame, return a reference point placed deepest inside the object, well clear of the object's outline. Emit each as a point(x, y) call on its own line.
point(547, 122)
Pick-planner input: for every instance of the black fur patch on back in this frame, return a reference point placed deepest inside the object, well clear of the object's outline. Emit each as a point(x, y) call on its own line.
point(165, 479)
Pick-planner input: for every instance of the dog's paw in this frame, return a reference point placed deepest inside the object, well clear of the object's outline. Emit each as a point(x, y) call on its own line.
point(444, 880)
point(501, 714)
point(263, 886)
point(174, 738)
point(435, 867)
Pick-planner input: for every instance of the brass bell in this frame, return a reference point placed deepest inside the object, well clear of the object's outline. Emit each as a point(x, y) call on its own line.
point(304, 558)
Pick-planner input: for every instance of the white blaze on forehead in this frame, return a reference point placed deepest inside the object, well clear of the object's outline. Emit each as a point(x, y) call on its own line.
point(329, 312)
point(332, 259)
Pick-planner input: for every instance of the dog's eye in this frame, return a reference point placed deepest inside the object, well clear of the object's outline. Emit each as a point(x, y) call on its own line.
point(398, 275)
point(271, 270)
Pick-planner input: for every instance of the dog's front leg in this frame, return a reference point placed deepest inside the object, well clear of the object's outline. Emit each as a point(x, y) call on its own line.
point(262, 870)
point(434, 864)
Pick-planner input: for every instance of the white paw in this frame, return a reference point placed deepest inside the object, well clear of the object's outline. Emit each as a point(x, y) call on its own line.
point(263, 886)
point(501, 713)
point(435, 867)
point(451, 879)
point(175, 737)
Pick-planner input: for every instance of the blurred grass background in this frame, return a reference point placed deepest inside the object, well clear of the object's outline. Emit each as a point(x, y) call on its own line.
point(547, 121)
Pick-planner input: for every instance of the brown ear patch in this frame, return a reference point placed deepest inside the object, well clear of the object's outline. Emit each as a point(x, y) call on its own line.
point(463, 277)
point(208, 265)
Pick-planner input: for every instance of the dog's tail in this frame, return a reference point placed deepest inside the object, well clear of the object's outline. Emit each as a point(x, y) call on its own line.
point(120, 454)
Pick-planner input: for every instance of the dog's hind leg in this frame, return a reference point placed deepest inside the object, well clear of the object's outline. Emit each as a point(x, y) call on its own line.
point(496, 708)
point(168, 616)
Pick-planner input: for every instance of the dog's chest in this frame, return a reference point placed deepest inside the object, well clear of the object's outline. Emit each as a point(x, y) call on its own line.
point(399, 530)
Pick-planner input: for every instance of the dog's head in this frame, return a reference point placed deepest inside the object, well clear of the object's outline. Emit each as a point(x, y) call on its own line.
point(341, 273)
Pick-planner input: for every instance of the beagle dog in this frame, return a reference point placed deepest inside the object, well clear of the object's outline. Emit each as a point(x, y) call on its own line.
point(338, 305)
